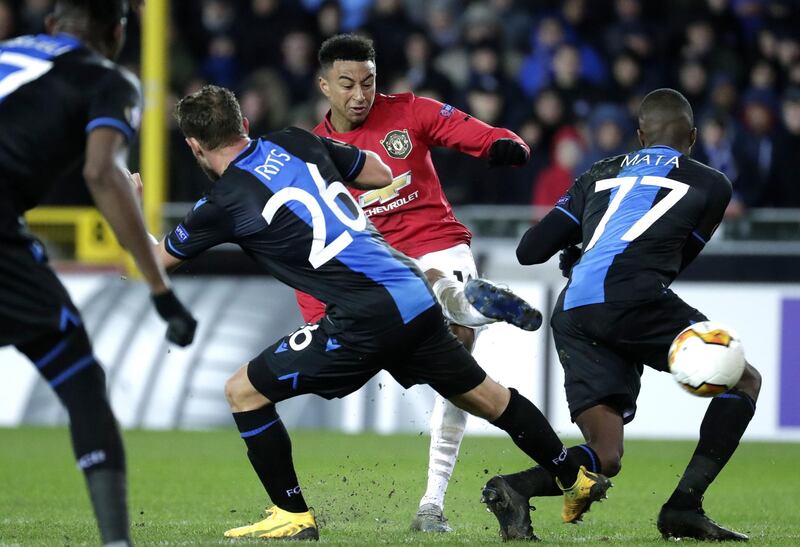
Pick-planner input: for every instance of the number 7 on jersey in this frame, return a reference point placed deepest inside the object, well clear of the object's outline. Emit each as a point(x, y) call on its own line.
point(626, 184)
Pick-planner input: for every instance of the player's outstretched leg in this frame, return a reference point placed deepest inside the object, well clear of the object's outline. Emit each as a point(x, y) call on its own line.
point(66, 361)
point(723, 426)
point(531, 432)
point(487, 304)
point(270, 452)
point(501, 304)
point(508, 496)
point(447, 430)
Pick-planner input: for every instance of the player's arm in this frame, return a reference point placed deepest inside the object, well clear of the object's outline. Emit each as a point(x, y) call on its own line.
point(559, 229)
point(107, 179)
point(113, 119)
point(717, 201)
point(207, 225)
point(374, 174)
point(552, 234)
point(362, 169)
point(168, 261)
point(444, 125)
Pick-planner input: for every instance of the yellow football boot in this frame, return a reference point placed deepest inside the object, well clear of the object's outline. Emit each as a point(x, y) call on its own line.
point(279, 524)
point(589, 487)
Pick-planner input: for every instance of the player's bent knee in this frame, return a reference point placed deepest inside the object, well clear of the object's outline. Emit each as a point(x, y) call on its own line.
point(610, 463)
point(609, 449)
point(750, 382)
point(488, 400)
point(241, 394)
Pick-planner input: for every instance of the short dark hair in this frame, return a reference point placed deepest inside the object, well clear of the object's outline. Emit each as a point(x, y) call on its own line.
point(212, 116)
point(100, 13)
point(666, 103)
point(345, 47)
point(94, 20)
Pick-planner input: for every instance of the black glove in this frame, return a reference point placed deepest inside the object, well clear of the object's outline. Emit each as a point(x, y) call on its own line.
point(507, 152)
point(180, 323)
point(567, 259)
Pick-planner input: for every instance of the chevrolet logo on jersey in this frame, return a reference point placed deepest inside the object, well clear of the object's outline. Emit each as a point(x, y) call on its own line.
point(387, 193)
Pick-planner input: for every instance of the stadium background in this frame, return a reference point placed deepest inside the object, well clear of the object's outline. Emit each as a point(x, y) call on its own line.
point(567, 76)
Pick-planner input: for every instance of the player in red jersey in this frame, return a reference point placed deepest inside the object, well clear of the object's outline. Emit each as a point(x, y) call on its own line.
point(415, 217)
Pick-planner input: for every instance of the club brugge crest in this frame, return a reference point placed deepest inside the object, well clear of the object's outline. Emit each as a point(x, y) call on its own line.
point(397, 143)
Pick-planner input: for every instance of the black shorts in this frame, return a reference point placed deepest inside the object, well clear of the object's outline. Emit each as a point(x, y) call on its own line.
point(604, 347)
point(311, 361)
point(33, 302)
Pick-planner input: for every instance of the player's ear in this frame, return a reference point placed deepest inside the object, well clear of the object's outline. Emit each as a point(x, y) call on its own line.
point(246, 125)
point(117, 39)
point(692, 137)
point(324, 86)
point(194, 144)
point(640, 136)
point(119, 31)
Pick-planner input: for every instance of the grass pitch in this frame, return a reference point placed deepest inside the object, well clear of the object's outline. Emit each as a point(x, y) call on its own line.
point(186, 488)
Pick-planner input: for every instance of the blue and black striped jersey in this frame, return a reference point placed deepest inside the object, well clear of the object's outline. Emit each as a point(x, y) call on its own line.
point(53, 91)
point(634, 214)
point(282, 201)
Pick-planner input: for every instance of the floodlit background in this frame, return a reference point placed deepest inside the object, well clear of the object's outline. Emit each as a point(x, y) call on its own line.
point(566, 75)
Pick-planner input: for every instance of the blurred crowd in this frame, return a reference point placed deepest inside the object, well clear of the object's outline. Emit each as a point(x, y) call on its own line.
point(566, 75)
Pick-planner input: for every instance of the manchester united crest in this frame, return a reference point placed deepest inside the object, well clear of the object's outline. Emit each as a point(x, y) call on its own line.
point(397, 143)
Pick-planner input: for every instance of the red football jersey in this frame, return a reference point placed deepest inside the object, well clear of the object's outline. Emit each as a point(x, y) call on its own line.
point(412, 213)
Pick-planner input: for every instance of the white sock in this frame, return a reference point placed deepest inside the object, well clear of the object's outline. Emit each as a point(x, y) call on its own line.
point(447, 430)
point(455, 305)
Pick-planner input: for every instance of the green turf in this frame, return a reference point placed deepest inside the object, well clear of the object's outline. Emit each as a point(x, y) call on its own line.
point(188, 487)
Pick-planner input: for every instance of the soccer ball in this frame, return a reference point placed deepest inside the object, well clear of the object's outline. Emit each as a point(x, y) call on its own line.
point(706, 359)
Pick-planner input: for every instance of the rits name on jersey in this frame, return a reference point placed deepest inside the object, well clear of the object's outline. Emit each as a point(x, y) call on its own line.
point(272, 164)
point(649, 159)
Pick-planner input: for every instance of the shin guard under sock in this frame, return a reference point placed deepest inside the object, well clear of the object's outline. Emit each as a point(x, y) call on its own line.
point(447, 431)
point(532, 433)
point(270, 452)
point(724, 424)
point(455, 306)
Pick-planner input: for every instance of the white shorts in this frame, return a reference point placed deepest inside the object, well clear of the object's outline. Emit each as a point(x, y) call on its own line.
point(456, 263)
